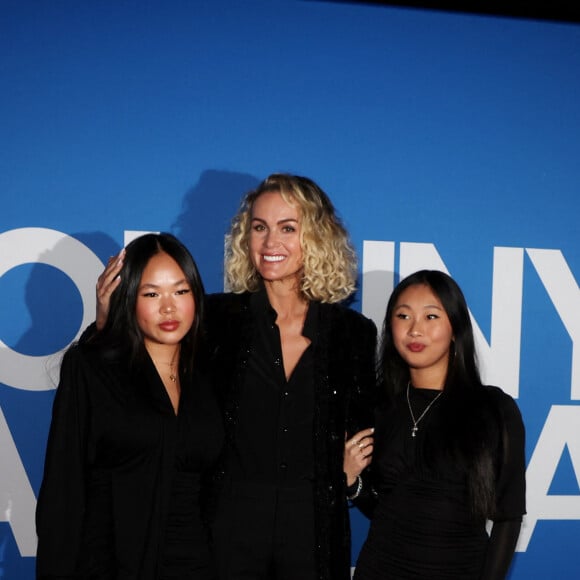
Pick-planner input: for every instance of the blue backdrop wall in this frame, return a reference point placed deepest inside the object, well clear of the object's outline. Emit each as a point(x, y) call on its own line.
point(448, 141)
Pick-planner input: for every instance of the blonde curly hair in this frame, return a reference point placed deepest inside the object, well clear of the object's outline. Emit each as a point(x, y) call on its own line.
point(330, 268)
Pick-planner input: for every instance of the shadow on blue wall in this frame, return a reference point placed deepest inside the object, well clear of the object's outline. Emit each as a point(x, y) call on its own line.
point(207, 210)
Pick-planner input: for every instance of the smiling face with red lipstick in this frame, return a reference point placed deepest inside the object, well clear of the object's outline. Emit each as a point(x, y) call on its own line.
point(422, 335)
point(165, 308)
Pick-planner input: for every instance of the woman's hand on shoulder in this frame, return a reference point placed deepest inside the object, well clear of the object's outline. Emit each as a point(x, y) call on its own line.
point(358, 451)
point(107, 283)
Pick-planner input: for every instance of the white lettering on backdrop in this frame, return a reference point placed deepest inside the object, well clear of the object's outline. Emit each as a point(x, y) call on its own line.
point(79, 263)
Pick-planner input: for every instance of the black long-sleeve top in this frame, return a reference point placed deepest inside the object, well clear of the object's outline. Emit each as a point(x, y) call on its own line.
point(422, 523)
point(123, 472)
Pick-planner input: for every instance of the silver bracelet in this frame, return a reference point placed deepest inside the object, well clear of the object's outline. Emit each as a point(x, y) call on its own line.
point(358, 489)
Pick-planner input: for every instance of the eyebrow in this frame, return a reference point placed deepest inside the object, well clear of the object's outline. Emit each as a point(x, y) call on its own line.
point(149, 285)
point(282, 221)
point(424, 307)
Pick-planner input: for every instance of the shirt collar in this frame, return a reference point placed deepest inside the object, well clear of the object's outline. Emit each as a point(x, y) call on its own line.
point(260, 307)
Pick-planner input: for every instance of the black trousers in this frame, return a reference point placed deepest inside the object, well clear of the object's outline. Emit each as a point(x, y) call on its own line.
point(265, 532)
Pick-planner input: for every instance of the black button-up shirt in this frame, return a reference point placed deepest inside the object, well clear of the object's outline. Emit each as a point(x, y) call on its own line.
point(274, 437)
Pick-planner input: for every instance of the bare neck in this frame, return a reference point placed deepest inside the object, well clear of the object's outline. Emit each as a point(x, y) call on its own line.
point(427, 379)
point(286, 300)
point(163, 353)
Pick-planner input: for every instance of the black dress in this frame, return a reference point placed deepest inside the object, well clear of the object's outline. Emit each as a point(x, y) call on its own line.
point(120, 497)
point(422, 526)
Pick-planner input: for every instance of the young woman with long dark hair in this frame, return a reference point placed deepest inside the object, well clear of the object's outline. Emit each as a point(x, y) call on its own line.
point(135, 430)
point(448, 451)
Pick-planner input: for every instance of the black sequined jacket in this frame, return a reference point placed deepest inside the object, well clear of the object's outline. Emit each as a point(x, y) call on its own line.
point(345, 390)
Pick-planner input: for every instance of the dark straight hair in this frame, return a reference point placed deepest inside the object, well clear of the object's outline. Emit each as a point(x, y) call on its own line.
point(121, 333)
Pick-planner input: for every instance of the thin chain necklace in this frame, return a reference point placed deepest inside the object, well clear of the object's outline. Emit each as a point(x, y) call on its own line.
point(172, 372)
point(416, 421)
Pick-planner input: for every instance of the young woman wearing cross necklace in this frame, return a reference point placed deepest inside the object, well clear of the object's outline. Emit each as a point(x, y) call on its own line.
point(448, 451)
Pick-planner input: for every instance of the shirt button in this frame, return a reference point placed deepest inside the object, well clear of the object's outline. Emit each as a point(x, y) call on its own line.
point(283, 465)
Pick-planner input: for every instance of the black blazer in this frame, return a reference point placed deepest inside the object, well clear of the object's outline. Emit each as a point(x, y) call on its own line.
point(345, 393)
